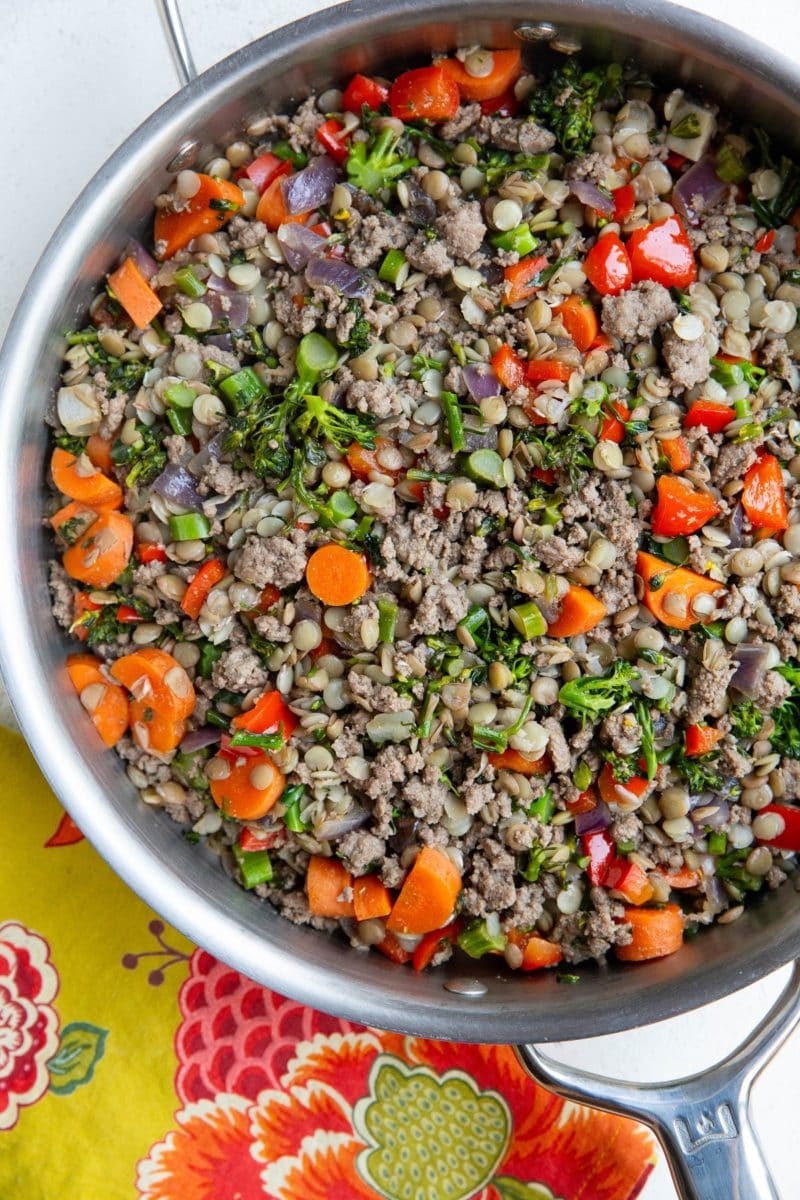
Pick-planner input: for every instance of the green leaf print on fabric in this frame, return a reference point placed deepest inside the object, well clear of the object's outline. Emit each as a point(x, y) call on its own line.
point(80, 1048)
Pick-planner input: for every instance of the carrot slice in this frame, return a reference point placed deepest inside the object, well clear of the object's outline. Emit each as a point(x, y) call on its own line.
point(152, 673)
point(371, 898)
point(520, 278)
point(656, 933)
point(102, 553)
point(77, 478)
point(106, 703)
point(134, 293)
point(72, 520)
point(362, 461)
point(580, 321)
point(98, 451)
point(211, 207)
point(337, 575)
point(272, 208)
point(326, 879)
point(250, 790)
point(428, 896)
point(506, 70)
point(153, 729)
point(580, 612)
point(537, 952)
point(512, 760)
point(669, 591)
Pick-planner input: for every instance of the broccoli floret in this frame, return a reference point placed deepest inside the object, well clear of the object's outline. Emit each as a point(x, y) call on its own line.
point(262, 431)
point(145, 458)
point(785, 737)
point(376, 168)
point(360, 335)
point(592, 695)
point(499, 164)
point(331, 507)
point(334, 425)
point(701, 771)
point(746, 719)
point(566, 102)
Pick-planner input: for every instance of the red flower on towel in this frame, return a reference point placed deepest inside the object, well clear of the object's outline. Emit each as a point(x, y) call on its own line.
point(28, 1021)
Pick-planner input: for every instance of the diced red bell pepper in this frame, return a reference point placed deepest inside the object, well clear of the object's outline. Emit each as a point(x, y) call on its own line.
point(601, 850)
point(542, 369)
point(127, 615)
point(789, 838)
point(611, 427)
point(521, 278)
point(609, 786)
point(662, 252)
point(148, 552)
point(432, 943)
point(676, 161)
point(362, 90)
point(509, 368)
point(545, 475)
point(680, 509)
point(326, 646)
point(270, 595)
point(677, 453)
point(269, 712)
point(82, 605)
point(424, 94)
point(629, 880)
point(506, 105)
point(584, 803)
point(249, 841)
point(537, 952)
point(624, 201)
point(764, 243)
point(601, 342)
point(330, 136)
point(711, 413)
point(206, 578)
point(702, 738)
point(262, 170)
point(764, 496)
point(608, 267)
point(392, 949)
point(362, 462)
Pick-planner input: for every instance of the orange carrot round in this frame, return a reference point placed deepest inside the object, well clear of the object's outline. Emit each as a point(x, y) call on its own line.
point(326, 879)
point(211, 207)
point(580, 612)
point(506, 69)
point(428, 896)
point(102, 553)
point(72, 520)
point(669, 591)
point(106, 703)
point(98, 451)
point(337, 575)
point(250, 790)
point(537, 952)
point(154, 675)
point(370, 898)
point(153, 729)
point(580, 321)
point(77, 478)
point(656, 933)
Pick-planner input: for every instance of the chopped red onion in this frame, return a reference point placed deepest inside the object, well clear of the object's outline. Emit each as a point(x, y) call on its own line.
point(198, 739)
point(333, 273)
point(144, 261)
point(590, 194)
point(335, 827)
point(222, 341)
point(736, 527)
point(217, 283)
point(310, 188)
point(232, 307)
point(592, 822)
point(485, 440)
point(420, 209)
point(481, 381)
point(299, 244)
point(175, 483)
point(700, 181)
point(216, 446)
point(753, 664)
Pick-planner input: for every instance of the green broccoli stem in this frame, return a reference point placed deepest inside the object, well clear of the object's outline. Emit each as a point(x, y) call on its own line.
point(455, 425)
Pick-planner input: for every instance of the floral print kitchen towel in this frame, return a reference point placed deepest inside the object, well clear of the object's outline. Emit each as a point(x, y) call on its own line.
point(134, 1066)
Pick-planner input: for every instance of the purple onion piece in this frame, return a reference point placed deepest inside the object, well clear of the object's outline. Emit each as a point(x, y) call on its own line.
point(198, 739)
point(232, 307)
point(177, 484)
point(144, 260)
point(702, 181)
point(333, 828)
point(753, 663)
point(222, 341)
point(299, 244)
point(333, 273)
point(216, 446)
point(736, 527)
point(590, 194)
point(492, 273)
point(420, 209)
point(481, 381)
point(310, 188)
point(485, 440)
point(592, 822)
point(223, 285)
point(225, 505)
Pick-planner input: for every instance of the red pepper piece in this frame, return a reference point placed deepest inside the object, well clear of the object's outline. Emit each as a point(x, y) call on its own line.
point(608, 267)
point(583, 803)
point(509, 368)
point(127, 615)
point(427, 93)
point(680, 509)
point(262, 170)
point(629, 880)
point(662, 252)
point(330, 136)
point(250, 842)
point(624, 201)
point(545, 475)
point(676, 161)
point(537, 952)
point(764, 496)
point(432, 943)
point(711, 413)
point(600, 849)
point(611, 427)
point(148, 552)
point(609, 786)
point(268, 713)
point(206, 578)
point(393, 950)
point(506, 105)
point(521, 278)
point(789, 838)
point(363, 90)
point(542, 369)
point(701, 738)
point(677, 453)
point(764, 243)
point(82, 605)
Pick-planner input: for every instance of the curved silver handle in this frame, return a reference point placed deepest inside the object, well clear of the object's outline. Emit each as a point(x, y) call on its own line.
point(702, 1121)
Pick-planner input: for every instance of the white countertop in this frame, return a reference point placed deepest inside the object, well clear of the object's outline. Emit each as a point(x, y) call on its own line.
point(95, 70)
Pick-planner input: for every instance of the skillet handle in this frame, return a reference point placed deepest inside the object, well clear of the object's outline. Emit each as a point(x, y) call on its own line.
point(702, 1121)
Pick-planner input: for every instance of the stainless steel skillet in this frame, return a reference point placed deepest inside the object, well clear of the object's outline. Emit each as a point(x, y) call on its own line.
point(142, 846)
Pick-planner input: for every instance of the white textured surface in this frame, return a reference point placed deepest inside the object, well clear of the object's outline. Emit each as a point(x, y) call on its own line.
point(93, 71)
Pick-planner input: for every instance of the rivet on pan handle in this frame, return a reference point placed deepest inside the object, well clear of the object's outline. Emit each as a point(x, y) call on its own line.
point(702, 1121)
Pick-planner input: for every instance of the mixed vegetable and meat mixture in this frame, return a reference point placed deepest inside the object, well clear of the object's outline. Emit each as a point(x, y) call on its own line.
point(429, 511)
